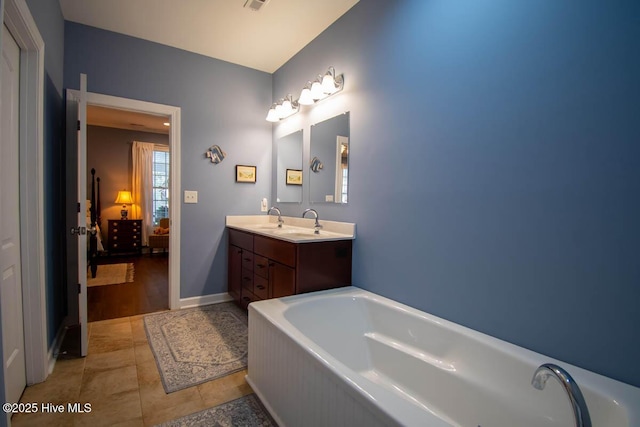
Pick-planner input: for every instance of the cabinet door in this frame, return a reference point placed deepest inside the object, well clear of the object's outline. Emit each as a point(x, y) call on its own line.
point(282, 280)
point(234, 281)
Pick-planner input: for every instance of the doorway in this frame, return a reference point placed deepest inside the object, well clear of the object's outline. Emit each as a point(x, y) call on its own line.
point(173, 114)
point(141, 286)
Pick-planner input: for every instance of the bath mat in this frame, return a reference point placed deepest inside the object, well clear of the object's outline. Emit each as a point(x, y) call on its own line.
point(111, 274)
point(246, 411)
point(196, 345)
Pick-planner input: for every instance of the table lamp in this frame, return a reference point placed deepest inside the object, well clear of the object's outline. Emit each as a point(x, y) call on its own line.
point(125, 198)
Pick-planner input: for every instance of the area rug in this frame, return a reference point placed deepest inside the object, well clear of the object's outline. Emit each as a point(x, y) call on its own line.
point(246, 411)
point(111, 274)
point(196, 345)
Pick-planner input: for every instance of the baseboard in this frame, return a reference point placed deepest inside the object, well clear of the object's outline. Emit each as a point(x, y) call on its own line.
point(205, 300)
point(55, 347)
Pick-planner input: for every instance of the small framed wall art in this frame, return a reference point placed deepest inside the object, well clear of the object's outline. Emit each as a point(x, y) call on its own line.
point(294, 177)
point(245, 173)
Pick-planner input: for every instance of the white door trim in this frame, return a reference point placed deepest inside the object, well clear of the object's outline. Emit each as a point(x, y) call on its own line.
point(23, 28)
point(175, 174)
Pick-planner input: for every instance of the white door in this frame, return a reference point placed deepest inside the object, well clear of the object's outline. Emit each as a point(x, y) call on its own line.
point(76, 208)
point(10, 262)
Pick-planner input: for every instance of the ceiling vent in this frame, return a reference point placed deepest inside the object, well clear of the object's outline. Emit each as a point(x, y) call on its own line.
point(255, 5)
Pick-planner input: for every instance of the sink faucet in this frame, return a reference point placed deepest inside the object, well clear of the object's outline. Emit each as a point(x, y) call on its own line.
point(317, 226)
point(580, 411)
point(280, 221)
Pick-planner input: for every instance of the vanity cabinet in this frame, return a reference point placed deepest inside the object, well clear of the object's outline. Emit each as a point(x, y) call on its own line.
point(262, 267)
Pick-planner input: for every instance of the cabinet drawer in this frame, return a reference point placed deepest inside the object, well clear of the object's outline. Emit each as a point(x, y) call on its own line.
point(247, 260)
point(247, 279)
point(241, 239)
point(261, 266)
point(261, 287)
point(247, 298)
point(277, 250)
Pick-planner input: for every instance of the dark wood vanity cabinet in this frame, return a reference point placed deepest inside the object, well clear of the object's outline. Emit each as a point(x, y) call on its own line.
point(261, 267)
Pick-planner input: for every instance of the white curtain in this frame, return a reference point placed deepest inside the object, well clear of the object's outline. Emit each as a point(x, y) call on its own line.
point(142, 186)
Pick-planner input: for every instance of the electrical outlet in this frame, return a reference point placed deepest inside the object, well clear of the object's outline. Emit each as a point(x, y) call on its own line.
point(263, 205)
point(190, 196)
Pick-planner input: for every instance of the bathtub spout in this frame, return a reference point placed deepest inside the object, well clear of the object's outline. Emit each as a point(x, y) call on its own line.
point(580, 411)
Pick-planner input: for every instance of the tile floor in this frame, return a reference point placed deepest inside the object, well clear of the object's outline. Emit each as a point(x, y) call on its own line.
point(120, 380)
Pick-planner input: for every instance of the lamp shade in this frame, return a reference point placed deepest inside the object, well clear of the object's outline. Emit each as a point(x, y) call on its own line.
point(124, 197)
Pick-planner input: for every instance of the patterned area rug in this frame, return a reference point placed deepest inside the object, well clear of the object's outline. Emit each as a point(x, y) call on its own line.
point(196, 345)
point(246, 411)
point(111, 274)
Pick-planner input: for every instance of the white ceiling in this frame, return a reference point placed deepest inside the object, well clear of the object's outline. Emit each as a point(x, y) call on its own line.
point(122, 119)
point(222, 29)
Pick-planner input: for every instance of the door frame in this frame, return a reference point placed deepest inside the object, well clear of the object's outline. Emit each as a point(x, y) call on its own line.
point(18, 19)
point(174, 174)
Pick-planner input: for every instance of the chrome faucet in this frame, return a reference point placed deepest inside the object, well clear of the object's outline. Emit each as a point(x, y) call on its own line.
point(317, 226)
point(580, 411)
point(280, 221)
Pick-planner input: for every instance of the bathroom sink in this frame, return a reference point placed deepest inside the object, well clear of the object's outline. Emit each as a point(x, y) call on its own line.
point(294, 232)
point(268, 226)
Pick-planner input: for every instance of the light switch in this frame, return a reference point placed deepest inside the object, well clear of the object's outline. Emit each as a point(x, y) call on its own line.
point(190, 196)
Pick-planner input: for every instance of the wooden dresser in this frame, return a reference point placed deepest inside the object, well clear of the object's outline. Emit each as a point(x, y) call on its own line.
point(125, 236)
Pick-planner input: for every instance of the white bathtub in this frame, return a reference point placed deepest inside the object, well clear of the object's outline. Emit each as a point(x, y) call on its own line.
point(353, 358)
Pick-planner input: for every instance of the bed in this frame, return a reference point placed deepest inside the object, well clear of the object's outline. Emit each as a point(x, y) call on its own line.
point(95, 245)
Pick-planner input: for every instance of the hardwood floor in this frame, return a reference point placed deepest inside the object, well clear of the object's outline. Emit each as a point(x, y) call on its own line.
point(148, 292)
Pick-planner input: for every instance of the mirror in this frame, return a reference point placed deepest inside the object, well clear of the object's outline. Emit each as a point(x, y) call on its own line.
point(289, 168)
point(329, 160)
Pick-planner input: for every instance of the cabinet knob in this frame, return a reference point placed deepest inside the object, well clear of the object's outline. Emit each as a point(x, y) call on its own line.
point(271, 264)
point(260, 265)
point(246, 298)
point(260, 287)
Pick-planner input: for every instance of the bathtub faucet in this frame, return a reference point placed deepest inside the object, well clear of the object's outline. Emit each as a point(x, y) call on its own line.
point(580, 411)
point(280, 221)
point(317, 227)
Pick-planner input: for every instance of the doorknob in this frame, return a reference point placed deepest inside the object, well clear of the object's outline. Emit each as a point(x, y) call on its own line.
point(78, 230)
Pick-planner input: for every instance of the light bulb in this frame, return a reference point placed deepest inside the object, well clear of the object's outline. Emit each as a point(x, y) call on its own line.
point(316, 91)
point(272, 116)
point(328, 84)
point(305, 95)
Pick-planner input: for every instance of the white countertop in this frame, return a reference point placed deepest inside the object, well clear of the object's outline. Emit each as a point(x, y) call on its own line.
point(295, 230)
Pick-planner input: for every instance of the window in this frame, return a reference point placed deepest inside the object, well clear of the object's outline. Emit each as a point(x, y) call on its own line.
point(160, 194)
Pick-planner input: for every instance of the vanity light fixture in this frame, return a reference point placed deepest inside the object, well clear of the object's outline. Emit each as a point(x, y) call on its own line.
point(323, 86)
point(282, 109)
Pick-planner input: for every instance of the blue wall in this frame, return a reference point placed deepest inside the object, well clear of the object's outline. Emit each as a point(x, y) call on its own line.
point(221, 103)
point(495, 165)
point(48, 18)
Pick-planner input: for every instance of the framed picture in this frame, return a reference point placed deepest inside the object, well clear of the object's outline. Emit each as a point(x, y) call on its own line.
point(294, 177)
point(245, 173)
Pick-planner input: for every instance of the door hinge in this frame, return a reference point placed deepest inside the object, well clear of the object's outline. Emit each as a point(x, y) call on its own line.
point(79, 288)
point(78, 207)
point(78, 124)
